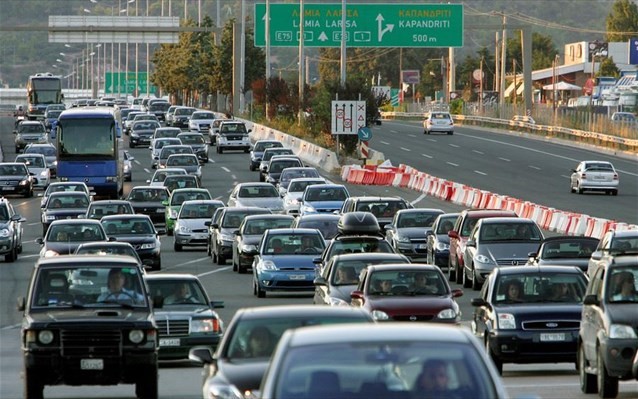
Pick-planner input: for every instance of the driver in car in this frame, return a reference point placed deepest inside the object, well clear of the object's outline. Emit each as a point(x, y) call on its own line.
point(116, 291)
point(308, 245)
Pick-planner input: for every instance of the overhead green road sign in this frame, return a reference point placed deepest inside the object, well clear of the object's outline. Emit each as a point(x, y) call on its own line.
point(122, 82)
point(367, 25)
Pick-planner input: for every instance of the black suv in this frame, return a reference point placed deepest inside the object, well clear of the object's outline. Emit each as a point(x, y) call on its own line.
point(74, 332)
point(16, 179)
point(10, 231)
point(607, 341)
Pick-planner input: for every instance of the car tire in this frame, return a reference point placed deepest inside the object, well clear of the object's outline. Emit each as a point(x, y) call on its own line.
point(451, 272)
point(234, 264)
point(571, 188)
point(467, 283)
point(251, 167)
point(177, 247)
point(475, 283)
point(498, 363)
point(607, 385)
point(220, 150)
point(450, 133)
point(221, 261)
point(241, 269)
point(579, 189)
point(588, 382)
point(33, 387)
point(146, 386)
point(260, 293)
point(614, 192)
point(12, 255)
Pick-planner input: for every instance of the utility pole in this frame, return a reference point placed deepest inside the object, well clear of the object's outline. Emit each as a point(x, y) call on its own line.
point(515, 82)
point(503, 60)
point(481, 87)
point(301, 61)
point(497, 60)
point(343, 45)
point(267, 54)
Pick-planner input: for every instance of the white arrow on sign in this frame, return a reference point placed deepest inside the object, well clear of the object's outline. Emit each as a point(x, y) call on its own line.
point(382, 30)
point(323, 37)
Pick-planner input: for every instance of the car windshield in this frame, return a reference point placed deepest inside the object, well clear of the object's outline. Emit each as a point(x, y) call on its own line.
point(440, 116)
point(147, 195)
point(36, 162)
point(178, 292)
point(262, 191)
point(168, 151)
point(599, 167)
point(509, 232)
point(539, 287)
point(326, 194)
point(31, 128)
point(328, 228)
point(288, 175)
point(386, 209)
point(96, 211)
point(126, 250)
point(300, 186)
point(259, 226)
point(170, 132)
point(198, 211)
point(278, 166)
point(64, 201)
point(416, 219)
point(192, 139)
point(346, 272)
point(75, 233)
point(361, 244)
point(294, 244)
point(232, 220)
point(180, 181)
point(407, 282)
point(233, 128)
point(182, 160)
point(446, 224)
point(568, 249)
point(47, 151)
point(202, 115)
point(150, 125)
point(386, 369)
point(261, 146)
point(270, 154)
point(74, 286)
point(56, 188)
point(177, 198)
point(128, 226)
point(13, 170)
point(184, 111)
point(160, 175)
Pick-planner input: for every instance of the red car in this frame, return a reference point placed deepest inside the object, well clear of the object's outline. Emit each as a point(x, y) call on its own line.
point(459, 234)
point(407, 292)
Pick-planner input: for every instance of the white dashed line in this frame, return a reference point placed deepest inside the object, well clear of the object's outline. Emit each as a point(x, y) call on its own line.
point(137, 162)
point(233, 177)
point(452, 164)
point(416, 201)
point(210, 160)
point(218, 198)
point(393, 131)
point(32, 224)
point(146, 170)
point(406, 149)
point(214, 271)
point(412, 135)
point(534, 167)
point(427, 156)
point(505, 159)
point(480, 173)
point(384, 142)
point(432, 140)
point(226, 169)
point(478, 152)
point(454, 145)
point(566, 177)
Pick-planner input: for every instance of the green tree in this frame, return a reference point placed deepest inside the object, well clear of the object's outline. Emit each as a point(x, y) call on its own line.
point(622, 21)
point(543, 52)
point(608, 68)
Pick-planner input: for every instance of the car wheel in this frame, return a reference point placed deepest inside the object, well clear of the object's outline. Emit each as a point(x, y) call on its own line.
point(450, 133)
point(33, 387)
point(177, 247)
point(260, 293)
point(579, 189)
point(234, 264)
point(467, 283)
point(451, 272)
point(607, 385)
point(214, 257)
point(614, 192)
point(571, 188)
point(497, 362)
point(588, 383)
point(11, 256)
point(241, 269)
point(251, 167)
point(146, 386)
point(220, 150)
point(475, 283)
point(221, 261)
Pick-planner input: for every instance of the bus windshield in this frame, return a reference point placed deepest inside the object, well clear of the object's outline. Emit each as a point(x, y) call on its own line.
point(79, 138)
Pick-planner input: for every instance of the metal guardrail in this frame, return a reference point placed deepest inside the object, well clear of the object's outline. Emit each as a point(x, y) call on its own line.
point(603, 139)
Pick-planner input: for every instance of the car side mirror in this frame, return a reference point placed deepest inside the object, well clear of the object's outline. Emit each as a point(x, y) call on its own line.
point(388, 227)
point(356, 294)
point(201, 355)
point(207, 223)
point(215, 225)
point(111, 239)
point(148, 182)
point(39, 240)
point(591, 299)
point(236, 232)
point(22, 303)
point(161, 231)
point(320, 281)
point(316, 261)
point(217, 304)
point(476, 302)
point(457, 292)
point(165, 203)
point(470, 243)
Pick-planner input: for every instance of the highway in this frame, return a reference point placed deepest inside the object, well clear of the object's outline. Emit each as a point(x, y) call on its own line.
point(471, 149)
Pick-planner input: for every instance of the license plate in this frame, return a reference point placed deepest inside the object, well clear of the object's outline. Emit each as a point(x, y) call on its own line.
point(169, 342)
point(552, 337)
point(201, 236)
point(91, 364)
point(422, 246)
point(297, 277)
point(8, 188)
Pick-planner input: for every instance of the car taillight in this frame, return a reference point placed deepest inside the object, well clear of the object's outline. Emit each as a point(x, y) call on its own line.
point(615, 176)
point(583, 176)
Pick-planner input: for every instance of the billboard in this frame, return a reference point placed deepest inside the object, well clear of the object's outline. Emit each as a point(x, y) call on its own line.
point(411, 76)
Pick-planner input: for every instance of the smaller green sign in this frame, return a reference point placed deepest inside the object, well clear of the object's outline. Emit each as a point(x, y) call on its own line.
point(123, 82)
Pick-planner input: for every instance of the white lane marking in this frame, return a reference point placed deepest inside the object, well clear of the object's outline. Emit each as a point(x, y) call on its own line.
point(32, 224)
point(226, 169)
point(427, 156)
point(393, 131)
point(217, 198)
point(146, 170)
point(190, 262)
point(214, 271)
point(478, 152)
point(534, 167)
point(406, 149)
point(25, 202)
point(384, 142)
point(454, 145)
point(504, 159)
point(234, 178)
point(10, 327)
point(453, 164)
point(137, 162)
point(566, 177)
point(480, 173)
point(432, 140)
point(419, 199)
point(30, 256)
point(412, 135)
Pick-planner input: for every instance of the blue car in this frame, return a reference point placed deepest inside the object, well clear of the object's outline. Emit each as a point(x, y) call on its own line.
point(285, 260)
point(323, 198)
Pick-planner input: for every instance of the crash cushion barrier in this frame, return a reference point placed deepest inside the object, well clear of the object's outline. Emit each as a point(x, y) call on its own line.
point(309, 153)
point(547, 218)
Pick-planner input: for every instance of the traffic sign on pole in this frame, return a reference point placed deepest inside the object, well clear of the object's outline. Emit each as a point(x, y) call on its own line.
point(122, 82)
point(365, 134)
point(367, 25)
point(348, 117)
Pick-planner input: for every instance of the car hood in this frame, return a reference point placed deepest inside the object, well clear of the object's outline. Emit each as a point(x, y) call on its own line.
point(325, 204)
point(95, 315)
point(196, 224)
point(245, 375)
point(13, 178)
point(64, 248)
point(135, 238)
point(412, 232)
point(623, 313)
point(65, 212)
point(252, 239)
point(269, 202)
point(444, 238)
point(182, 311)
point(342, 291)
point(292, 262)
point(144, 132)
point(401, 305)
point(518, 250)
point(544, 311)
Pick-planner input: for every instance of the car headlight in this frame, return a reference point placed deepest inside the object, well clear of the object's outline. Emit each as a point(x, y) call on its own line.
point(44, 173)
point(506, 321)
point(184, 229)
point(482, 259)
point(148, 246)
point(621, 331)
point(111, 179)
point(291, 201)
point(338, 302)
point(203, 326)
point(308, 209)
point(248, 248)
point(380, 315)
point(403, 239)
point(441, 246)
point(222, 391)
point(446, 314)
point(4, 233)
point(266, 265)
point(136, 336)
point(54, 163)
point(172, 213)
point(127, 167)
point(25, 182)
point(49, 217)
point(50, 253)
point(45, 337)
point(133, 134)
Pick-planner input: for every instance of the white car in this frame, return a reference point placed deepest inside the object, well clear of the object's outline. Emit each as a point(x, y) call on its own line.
point(261, 195)
point(190, 225)
point(37, 165)
point(160, 175)
point(157, 145)
point(292, 197)
point(201, 121)
point(594, 176)
point(438, 122)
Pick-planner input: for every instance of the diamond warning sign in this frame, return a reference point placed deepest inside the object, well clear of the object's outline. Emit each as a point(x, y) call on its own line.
point(348, 117)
